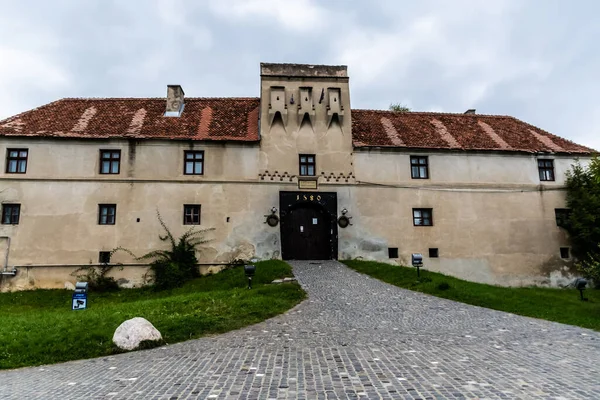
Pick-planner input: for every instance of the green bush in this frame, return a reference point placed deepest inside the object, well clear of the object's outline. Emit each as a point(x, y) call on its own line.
point(172, 268)
point(443, 286)
point(97, 278)
point(583, 200)
point(167, 274)
point(590, 267)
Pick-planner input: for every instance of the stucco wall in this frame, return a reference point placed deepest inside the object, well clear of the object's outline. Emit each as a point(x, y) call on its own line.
point(488, 231)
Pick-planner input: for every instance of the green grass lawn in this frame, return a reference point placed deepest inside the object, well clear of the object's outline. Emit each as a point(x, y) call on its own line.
point(39, 327)
point(560, 305)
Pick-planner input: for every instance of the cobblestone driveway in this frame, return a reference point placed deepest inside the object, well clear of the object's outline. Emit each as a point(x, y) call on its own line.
point(355, 337)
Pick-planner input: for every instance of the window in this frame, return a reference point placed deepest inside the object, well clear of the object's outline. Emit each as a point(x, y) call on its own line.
point(564, 252)
point(16, 161)
point(307, 165)
point(419, 167)
point(422, 217)
point(393, 252)
point(110, 161)
point(107, 214)
point(191, 214)
point(194, 162)
point(546, 168)
point(11, 213)
point(104, 257)
point(434, 253)
point(562, 216)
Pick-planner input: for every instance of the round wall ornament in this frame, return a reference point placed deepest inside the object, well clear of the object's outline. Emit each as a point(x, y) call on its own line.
point(273, 220)
point(343, 221)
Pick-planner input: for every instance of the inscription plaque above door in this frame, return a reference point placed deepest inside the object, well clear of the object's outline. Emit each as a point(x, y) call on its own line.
point(307, 184)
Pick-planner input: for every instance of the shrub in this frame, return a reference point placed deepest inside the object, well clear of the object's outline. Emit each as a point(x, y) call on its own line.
point(172, 268)
point(590, 267)
point(583, 200)
point(443, 286)
point(97, 279)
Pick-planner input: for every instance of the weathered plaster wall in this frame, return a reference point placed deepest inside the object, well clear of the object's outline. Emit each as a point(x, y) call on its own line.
point(493, 220)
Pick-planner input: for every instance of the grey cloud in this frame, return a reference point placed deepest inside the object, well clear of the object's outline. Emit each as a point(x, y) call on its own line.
point(536, 60)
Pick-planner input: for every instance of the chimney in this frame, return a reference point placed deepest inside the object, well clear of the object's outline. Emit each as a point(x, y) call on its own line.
point(470, 111)
point(175, 101)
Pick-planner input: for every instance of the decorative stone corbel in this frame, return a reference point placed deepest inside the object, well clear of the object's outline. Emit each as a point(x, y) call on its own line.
point(334, 106)
point(278, 105)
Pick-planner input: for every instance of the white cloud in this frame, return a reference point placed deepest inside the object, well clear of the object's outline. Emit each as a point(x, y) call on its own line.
point(28, 64)
point(297, 15)
point(525, 59)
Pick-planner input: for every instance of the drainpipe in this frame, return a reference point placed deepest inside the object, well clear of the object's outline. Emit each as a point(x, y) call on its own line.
point(5, 271)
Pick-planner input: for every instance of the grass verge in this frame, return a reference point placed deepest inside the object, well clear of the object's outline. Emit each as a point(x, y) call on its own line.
point(39, 327)
point(560, 305)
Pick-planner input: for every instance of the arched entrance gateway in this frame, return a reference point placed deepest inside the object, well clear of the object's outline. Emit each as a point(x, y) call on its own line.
point(308, 225)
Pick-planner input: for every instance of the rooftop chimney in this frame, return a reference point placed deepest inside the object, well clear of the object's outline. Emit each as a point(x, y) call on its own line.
point(175, 101)
point(470, 111)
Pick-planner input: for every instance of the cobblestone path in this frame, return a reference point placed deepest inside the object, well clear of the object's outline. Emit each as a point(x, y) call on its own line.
point(354, 338)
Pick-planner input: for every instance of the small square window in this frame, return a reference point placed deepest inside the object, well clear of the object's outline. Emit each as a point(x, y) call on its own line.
point(419, 167)
point(191, 214)
point(11, 214)
point(393, 252)
point(110, 161)
point(107, 214)
point(307, 165)
point(434, 252)
point(546, 170)
point(194, 162)
point(562, 216)
point(104, 257)
point(422, 216)
point(16, 161)
point(565, 253)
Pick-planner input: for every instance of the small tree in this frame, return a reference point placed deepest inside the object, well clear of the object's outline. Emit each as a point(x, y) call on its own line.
point(399, 107)
point(583, 224)
point(173, 267)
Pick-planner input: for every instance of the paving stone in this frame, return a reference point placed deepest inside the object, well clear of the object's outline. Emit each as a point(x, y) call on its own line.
point(353, 338)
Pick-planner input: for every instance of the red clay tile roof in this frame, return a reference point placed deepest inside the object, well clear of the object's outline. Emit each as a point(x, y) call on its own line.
point(373, 128)
point(220, 119)
point(236, 119)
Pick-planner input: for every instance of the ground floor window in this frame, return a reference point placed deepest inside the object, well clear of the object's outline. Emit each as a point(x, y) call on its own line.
point(107, 214)
point(422, 216)
point(191, 214)
point(11, 214)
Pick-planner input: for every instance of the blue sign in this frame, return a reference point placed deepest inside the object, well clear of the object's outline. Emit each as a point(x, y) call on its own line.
point(79, 301)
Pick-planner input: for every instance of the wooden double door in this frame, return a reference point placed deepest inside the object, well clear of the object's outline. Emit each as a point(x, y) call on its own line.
point(307, 234)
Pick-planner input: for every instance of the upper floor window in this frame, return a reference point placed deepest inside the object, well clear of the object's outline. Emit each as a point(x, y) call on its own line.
point(191, 214)
point(307, 165)
point(422, 216)
point(16, 161)
point(546, 169)
point(107, 214)
point(110, 161)
point(11, 213)
point(194, 162)
point(419, 167)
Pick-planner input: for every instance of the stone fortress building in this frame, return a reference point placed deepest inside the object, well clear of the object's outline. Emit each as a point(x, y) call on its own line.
point(294, 174)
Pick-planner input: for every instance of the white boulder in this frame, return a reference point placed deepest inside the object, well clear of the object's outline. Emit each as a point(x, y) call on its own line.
point(132, 332)
point(69, 285)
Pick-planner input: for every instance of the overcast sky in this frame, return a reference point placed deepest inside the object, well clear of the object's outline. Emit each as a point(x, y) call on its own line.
point(538, 60)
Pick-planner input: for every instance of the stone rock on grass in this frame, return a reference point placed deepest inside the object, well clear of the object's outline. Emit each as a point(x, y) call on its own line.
point(132, 332)
point(69, 285)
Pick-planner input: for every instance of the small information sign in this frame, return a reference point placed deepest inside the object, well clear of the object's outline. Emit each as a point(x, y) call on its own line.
point(79, 301)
